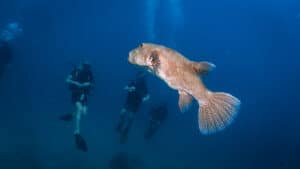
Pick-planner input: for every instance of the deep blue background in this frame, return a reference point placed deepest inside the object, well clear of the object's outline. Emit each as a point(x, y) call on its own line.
point(255, 45)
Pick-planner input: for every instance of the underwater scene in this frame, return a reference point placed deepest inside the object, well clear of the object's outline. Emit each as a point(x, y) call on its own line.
point(149, 84)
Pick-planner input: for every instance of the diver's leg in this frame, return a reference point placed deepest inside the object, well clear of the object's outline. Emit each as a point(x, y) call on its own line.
point(129, 122)
point(83, 100)
point(149, 130)
point(121, 120)
point(78, 113)
point(79, 140)
point(130, 118)
point(153, 127)
point(84, 109)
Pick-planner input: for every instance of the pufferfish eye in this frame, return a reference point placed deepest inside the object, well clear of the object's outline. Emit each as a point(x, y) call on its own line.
point(141, 45)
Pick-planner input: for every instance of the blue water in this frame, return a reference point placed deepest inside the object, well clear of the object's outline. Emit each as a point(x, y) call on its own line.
point(254, 44)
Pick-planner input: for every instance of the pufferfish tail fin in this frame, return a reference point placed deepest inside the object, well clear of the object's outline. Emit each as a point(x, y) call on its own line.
point(217, 111)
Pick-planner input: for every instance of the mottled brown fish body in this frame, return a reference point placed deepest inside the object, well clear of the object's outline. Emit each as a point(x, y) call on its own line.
point(216, 110)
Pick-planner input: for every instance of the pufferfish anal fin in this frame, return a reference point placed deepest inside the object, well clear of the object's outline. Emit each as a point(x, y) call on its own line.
point(184, 101)
point(203, 68)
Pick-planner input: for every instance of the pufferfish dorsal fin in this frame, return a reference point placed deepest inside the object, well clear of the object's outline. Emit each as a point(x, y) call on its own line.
point(203, 68)
point(184, 101)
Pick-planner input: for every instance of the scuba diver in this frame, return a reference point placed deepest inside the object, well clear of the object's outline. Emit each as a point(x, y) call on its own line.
point(122, 160)
point(5, 56)
point(119, 160)
point(137, 93)
point(158, 115)
point(8, 34)
point(80, 82)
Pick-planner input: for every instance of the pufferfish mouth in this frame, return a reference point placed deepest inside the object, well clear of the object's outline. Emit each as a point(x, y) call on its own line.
point(131, 58)
point(135, 59)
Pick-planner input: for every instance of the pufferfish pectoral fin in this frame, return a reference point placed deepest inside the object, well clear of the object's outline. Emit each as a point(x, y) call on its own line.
point(202, 68)
point(184, 101)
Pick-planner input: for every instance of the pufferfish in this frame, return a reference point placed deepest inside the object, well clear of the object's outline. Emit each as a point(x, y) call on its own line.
point(216, 111)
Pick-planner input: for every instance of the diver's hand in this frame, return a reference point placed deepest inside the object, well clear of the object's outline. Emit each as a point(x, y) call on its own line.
point(129, 89)
point(146, 98)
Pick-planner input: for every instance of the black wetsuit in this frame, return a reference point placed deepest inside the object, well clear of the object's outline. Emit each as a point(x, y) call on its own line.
point(159, 113)
point(157, 116)
point(133, 102)
point(5, 55)
point(79, 94)
point(81, 76)
point(135, 98)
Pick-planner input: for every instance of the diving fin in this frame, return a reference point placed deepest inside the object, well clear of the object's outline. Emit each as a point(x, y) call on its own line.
point(124, 137)
point(80, 143)
point(66, 117)
point(150, 132)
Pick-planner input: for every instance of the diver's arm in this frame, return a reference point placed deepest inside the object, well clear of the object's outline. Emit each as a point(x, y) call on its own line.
point(146, 94)
point(70, 81)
